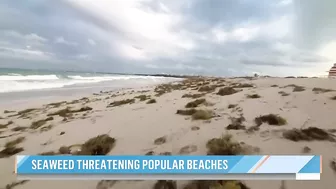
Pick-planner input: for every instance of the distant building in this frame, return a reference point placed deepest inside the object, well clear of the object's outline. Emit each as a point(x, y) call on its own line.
point(332, 71)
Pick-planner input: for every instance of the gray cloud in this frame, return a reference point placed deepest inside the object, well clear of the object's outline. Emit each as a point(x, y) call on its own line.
point(168, 36)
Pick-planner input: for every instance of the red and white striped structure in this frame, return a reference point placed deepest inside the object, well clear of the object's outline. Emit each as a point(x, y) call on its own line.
point(332, 71)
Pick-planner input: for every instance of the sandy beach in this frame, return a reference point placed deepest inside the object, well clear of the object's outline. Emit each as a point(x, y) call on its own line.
point(263, 116)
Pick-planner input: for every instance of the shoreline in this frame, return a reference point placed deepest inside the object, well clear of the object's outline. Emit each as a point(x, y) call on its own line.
point(179, 118)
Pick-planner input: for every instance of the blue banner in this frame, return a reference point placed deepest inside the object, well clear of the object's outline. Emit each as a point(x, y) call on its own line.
point(55, 165)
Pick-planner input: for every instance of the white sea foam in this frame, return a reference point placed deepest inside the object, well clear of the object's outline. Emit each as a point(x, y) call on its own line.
point(16, 82)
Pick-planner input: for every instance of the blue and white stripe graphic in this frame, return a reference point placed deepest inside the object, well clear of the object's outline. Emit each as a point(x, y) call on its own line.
point(165, 164)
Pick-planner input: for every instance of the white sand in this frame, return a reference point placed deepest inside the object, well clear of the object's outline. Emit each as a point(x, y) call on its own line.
point(136, 126)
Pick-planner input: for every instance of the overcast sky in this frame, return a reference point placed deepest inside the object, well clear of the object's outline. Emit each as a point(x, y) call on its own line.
point(217, 37)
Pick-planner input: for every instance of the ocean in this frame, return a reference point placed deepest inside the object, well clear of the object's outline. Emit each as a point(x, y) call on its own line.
point(23, 84)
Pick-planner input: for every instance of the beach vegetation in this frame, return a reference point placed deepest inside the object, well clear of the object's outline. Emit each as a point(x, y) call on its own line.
point(195, 128)
point(232, 106)
point(308, 134)
point(197, 95)
point(19, 128)
point(165, 184)
point(142, 97)
point(46, 128)
point(283, 93)
point(236, 123)
point(14, 142)
point(121, 102)
point(151, 101)
point(226, 91)
point(64, 150)
point(271, 119)
point(26, 111)
point(296, 88)
point(242, 85)
point(203, 115)
point(224, 145)
point(57, 104)
point(99, 145)
point(2, 126)
point(15, 183)
point(321, 90)
point(215, 184)
point(306, 150)
point(253, 96)
point(11, 147)
point(67, 112)
point(39, 123)
point(195, 103)
point(8, 111)
point(207, 88)
point(333, 98)
point(333, 165)
point(187, 112)
point(49, 153)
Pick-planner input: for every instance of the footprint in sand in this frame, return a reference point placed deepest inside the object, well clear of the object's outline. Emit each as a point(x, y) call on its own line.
point(188, 149)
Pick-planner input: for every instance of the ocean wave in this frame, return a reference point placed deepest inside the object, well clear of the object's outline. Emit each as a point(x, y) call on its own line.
point(19, 77)
point(16, 83)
